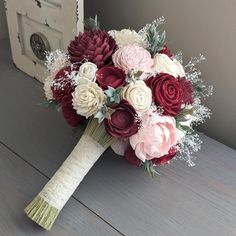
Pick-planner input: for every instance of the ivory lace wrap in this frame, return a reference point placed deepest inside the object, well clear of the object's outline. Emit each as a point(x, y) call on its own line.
point(65, 181)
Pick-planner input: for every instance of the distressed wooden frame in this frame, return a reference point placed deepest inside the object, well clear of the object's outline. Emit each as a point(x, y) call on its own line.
point(59, 20)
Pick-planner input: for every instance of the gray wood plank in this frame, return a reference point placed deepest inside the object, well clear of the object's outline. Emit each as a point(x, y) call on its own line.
point(182, 201)
point(18, 184)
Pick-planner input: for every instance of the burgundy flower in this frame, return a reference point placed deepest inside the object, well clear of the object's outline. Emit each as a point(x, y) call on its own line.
point(94, 46)
point(164, 159)
point(167, 93)
point(70, 115)
point(131, 157)
point(123, 122)
point(110, 76)
point(188, 89)
point(166, 51)
point(62, 87)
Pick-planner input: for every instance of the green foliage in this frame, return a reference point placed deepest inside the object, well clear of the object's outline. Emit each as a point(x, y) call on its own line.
point(185, 128)
point(114, 95)
point(150, 169)
point(182, 117)
point(133, 75)
point(104, 113)
point(91, 24)
point(155, 38)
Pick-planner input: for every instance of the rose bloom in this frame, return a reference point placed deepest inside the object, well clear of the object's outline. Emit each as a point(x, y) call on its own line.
point(123, 121)
point(110, 76)
point(138, 95)
point(167, 92)
point(88, 70)
point(155, 138)
point(164, 64)
point(87, 98)
point(126, 37)
point(133, 57)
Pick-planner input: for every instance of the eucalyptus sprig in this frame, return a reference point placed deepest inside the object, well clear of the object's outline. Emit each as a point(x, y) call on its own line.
point(113, 95)
point(150, 169)
point(155, 39)
point(92, 24)
point(132, 76)
point(182, 117)
point(104, 113)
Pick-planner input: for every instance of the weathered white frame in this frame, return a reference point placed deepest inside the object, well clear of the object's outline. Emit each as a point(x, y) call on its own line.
point(66, 18)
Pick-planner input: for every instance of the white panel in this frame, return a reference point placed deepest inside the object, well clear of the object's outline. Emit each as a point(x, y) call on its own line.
point(57, 21)
point(55, 2)
point(29, 27)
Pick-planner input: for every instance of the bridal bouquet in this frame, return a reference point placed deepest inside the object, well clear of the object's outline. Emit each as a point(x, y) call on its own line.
point(133, 94)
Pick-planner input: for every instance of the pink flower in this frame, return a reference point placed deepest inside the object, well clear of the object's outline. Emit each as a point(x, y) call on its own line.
point(133, 57)
point(155, 138)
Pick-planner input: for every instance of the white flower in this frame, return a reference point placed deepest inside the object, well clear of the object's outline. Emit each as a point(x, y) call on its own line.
point(47, 87)
point(88, 98)
point(127, 37)
point(164, 64)
point(88, 70)
point(138, 95)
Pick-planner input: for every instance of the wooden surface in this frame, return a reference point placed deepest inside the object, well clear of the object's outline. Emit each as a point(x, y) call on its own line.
point(115, 198)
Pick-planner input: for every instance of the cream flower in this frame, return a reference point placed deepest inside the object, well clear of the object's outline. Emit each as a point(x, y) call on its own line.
point(88, 70)
point(164, 64)
point(138, 95)
point(47, 87)
point(127, 37)
point(88, 97)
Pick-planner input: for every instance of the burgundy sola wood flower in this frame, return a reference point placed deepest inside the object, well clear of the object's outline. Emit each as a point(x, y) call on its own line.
point(94, 46)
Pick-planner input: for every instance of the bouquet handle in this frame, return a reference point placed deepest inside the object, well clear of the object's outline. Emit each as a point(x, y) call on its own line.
point(47, 205)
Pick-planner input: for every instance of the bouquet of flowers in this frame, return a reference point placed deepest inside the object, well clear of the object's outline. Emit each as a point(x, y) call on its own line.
point(133, 94)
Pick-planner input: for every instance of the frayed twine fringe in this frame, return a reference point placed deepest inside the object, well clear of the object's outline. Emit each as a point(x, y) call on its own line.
point(42, 213)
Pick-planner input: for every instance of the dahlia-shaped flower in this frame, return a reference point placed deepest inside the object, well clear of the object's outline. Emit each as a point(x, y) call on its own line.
point(94, 46)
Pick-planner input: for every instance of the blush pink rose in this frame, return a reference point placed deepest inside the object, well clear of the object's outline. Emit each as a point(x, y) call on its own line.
point(155, 138)
point(133, 57)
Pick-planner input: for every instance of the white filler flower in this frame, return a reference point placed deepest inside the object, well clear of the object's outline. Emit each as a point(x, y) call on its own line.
point(88, 97)
point(164, 64)
point(127, 37)
point(138, 95)
point(47, 87)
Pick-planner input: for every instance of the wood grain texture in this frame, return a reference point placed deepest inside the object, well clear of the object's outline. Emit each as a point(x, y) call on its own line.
point(182, 201)
point(18, 185)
